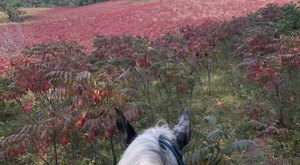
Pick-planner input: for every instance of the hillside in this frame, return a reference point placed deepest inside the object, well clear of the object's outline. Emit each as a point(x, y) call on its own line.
point(147, 18)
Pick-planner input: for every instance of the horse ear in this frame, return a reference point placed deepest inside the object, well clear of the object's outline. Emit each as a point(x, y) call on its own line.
point(127, 131)
point(182, 129)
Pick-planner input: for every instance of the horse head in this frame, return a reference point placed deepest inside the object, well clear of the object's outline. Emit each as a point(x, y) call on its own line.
point(159, 145)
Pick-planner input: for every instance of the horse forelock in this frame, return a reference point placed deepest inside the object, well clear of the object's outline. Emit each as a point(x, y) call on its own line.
point(145, 149)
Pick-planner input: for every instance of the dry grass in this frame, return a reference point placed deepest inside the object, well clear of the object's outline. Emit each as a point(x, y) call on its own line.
point(32, 11)
point(2, 14)
point(28, 15)
point(3, 17)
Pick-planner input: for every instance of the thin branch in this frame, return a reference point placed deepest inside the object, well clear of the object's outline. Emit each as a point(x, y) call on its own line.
point(42, 102)
point(50, 102)
point(44, 160)
point(112, 145)
point(54, 145)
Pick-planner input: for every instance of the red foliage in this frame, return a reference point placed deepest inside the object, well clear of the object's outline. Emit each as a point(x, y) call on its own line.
point(3, 65)
point(110, 130)
point(14, 150)
point(80, 121)
point(27, 107)
point(28, 78)
point(141, 62)
point(64, 140)
point(49, 67)
point(151, 19)
point(91, 137)
point(98, 95)
point(291, 59)
point(266, 76)
point(9, 95)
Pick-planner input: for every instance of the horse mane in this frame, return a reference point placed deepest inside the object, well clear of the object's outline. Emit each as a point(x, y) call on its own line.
point(145, 149)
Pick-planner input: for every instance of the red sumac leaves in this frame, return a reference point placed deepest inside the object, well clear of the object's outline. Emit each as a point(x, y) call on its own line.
point(64, 140)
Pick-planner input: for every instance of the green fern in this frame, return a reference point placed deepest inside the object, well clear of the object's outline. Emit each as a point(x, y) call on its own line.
point(257, 125)
point(237, 145)
point(213, 159)
point(215, 134)
point(212, 120)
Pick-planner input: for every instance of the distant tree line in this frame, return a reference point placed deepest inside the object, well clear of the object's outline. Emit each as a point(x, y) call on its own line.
point(37, 3)
point(10, 7)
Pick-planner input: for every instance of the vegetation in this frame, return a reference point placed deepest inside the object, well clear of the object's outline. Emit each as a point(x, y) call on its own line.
point(10, 7)
point(239, 80)
point(81, 24)
point(37, 3)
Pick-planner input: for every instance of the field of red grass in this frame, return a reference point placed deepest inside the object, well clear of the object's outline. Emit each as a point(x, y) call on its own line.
point(150, 18)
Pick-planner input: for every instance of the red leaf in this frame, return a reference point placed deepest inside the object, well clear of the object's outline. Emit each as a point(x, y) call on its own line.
point(21, 148)
point(91, 137)
point(80, 121)
point(27, 107)
point(64, 140)
point(110, 130)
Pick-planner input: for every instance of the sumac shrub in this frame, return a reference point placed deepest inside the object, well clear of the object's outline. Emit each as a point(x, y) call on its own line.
point(66, 103)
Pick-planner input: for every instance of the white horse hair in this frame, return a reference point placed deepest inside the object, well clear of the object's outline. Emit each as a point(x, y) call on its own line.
point(145, 149)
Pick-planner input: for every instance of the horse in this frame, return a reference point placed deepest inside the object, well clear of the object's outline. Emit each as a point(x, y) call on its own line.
point(159, 145)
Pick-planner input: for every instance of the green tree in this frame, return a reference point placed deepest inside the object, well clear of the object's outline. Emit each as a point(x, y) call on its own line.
point(10, 7)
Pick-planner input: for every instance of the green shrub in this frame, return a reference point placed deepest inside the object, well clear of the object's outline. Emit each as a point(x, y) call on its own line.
point(11, 9)
point(290, 19)
point(14, 14)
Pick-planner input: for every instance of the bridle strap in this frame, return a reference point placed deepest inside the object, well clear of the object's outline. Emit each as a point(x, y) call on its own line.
point(170, 146)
